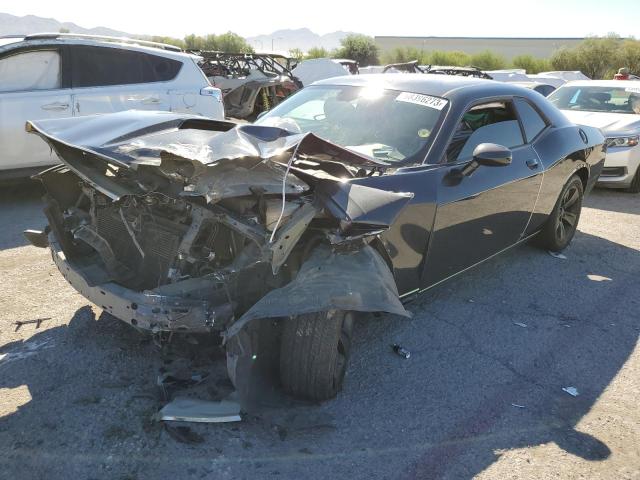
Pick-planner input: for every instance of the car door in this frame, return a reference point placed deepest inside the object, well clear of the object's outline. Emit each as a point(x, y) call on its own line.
point(109, 79)
point(487, 210)
point(31, 88)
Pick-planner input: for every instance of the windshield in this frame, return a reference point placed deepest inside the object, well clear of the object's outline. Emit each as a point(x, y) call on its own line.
point(597, 99)
point(387, 125)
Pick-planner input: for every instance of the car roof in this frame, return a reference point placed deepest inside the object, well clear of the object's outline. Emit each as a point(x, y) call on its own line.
point(603, 83)
point(45, 39)
point(446, 86)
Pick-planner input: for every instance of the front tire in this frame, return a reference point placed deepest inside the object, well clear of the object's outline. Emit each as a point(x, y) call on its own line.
point(635, 183)
point(314, 352)
point(561, 225)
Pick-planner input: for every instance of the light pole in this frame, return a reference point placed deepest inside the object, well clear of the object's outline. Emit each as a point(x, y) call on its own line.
point(272, 39)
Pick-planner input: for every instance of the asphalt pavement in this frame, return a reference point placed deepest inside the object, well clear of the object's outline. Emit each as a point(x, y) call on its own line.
point(480, 396)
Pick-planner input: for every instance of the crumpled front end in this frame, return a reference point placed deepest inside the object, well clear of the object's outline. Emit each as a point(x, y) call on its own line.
point(179, 223)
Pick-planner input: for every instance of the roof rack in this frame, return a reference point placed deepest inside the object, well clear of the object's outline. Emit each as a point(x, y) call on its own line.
point(145, 43)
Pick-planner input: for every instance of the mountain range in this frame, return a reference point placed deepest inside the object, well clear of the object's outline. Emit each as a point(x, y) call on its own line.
point(280, 40)
point(13, 25)
point(302, 38)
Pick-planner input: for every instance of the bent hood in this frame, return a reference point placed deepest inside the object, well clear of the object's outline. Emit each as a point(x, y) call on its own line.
point(607, 122)
point(137, 152)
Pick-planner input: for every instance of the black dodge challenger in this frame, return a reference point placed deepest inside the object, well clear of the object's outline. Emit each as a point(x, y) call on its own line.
point(353, 195)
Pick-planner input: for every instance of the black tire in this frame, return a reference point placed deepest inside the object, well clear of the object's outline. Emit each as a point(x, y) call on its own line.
point(561, 225)
point(635, 183)
point(314, 352)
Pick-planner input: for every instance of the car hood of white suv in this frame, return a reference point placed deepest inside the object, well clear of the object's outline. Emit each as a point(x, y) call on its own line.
point(607, 122)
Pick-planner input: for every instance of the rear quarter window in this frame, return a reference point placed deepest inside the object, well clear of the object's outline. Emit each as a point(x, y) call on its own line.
point(532, 122)
point(102, 66)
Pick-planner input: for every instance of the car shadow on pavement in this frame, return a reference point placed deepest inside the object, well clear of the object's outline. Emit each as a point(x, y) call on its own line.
point(476, 384)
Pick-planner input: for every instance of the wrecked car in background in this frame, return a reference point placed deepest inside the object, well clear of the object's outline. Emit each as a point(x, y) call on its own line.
point(354, 195)
point(251, 83)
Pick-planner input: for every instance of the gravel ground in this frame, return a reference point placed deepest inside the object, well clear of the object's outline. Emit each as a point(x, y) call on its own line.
point(481, 395)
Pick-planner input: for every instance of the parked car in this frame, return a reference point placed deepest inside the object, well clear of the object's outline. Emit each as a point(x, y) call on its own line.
point(614, 107)
point(49, 76)
point(353, 195)
point(542, 88)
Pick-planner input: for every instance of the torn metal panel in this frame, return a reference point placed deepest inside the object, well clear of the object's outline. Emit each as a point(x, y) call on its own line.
point(185, 409)
point(358, 207)
point(289, 235)
point(241, 178)
point(359, 281)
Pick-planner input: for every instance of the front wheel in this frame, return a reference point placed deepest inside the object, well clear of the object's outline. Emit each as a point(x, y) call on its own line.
point(561, 225)
point(314, 351)
point(635, 183)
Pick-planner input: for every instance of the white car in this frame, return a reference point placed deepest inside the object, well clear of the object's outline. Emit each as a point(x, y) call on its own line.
point(613, 106)
point(59, 76)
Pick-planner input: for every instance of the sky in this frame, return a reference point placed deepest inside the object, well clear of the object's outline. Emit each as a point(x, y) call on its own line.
point(486, 18)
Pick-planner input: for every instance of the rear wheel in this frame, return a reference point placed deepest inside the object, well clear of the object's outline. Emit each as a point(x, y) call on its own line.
point(561, 225)
point(314, 352)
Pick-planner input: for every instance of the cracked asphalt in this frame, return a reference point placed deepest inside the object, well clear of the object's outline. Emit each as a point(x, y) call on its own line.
point(481, 395)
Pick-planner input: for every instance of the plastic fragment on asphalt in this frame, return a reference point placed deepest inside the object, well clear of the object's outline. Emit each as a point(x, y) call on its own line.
point(523, 325)
point(401, 351)
point(517, 406)
point(184, 409)
point(557, 255)
point(573, 391)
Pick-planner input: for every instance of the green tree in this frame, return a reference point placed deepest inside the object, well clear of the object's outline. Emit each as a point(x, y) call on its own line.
point(232, 42)
point(64, 30)
point(488, 60)
point(360, 48)
point(531, 64)
point(193, 42)
point(169, 41)
point(296, 53)
point(453, 58)
point(317, 52)
point(629, 55)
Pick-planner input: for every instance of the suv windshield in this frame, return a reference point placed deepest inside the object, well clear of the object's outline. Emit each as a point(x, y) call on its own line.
point(597, 99)
point(387, 125)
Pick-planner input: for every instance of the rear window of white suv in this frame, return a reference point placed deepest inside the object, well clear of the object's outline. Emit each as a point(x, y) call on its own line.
point(102, 66)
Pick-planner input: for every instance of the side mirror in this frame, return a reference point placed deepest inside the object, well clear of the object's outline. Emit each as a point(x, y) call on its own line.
point(492, 155)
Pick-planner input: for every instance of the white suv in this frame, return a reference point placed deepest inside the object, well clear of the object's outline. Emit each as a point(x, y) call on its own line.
point(59, 75)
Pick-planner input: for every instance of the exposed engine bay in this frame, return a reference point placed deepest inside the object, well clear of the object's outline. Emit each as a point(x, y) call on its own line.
point(176, 223)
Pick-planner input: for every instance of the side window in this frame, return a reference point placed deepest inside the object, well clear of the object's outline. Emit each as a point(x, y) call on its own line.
point(494, 122)
point(102, 66)
point(36, 70)
point(532, 122)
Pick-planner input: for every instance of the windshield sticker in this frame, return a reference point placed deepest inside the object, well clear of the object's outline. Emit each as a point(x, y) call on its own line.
point(425, 100)
point(632, 89)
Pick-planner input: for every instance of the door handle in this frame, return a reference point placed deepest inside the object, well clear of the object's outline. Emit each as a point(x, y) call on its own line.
point(150, 101)
point(533, 163)
point(55, 106)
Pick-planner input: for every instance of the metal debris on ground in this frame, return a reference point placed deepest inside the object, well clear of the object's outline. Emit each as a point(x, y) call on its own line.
point(573, 391)
point(184, 409)
point(37, 321)
point(401, 351)
point(517, 406)
point(557, 255)
point(520, 324)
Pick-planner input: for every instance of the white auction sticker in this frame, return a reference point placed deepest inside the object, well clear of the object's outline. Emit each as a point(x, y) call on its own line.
point(632, 89)
point(425, 100)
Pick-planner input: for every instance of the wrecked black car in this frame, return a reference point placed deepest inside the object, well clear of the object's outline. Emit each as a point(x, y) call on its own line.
point(353, 195)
